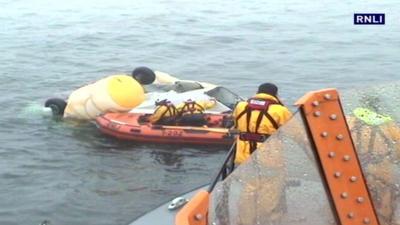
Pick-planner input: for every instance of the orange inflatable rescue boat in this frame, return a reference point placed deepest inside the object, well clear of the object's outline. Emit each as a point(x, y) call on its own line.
point(133, 126)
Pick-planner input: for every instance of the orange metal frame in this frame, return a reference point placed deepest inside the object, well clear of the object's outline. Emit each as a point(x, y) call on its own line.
point(194, 212)
point(337, 156)
point(340, 168)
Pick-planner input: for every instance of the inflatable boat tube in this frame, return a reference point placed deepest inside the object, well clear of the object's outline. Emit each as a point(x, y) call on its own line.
point(131, 126)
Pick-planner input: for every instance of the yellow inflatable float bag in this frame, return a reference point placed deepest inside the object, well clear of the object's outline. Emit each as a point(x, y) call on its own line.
point(116, 93)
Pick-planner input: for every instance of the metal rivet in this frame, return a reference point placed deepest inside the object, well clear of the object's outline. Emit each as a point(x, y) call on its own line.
point(339, 137)
point(366, 220)
point(344, 195)
point(327, 96)
point(346, 158)
point(350, 215)
point(333, 117)
point(353, 179)
point(198, 216)
point(338, 174)
point(331, 154)
point(324, 134)
point(315, 103)
point(317, 113)
point(360, 199)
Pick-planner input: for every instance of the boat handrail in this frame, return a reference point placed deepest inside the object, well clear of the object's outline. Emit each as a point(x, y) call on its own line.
point(227, 167)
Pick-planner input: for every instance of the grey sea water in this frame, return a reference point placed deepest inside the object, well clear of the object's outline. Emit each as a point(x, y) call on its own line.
point(68, 173)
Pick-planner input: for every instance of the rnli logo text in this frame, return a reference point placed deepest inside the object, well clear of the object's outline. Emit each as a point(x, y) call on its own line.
point(369, 18)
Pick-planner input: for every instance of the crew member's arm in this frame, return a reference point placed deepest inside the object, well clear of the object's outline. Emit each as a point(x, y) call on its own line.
point(285, 115)
point(238, 109)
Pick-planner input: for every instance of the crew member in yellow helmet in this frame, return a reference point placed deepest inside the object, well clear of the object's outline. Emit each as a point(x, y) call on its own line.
point(115, 93)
